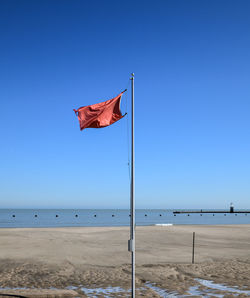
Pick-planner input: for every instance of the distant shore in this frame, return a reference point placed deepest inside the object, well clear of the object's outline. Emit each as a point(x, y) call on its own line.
point(98, 257)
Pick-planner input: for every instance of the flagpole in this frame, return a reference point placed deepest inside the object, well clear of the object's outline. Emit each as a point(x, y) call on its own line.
point(132, 193)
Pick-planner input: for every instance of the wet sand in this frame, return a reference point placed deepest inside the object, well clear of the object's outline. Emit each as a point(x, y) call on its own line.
point(42, 258)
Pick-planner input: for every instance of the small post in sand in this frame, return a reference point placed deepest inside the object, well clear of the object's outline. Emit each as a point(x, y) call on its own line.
point(193, 248)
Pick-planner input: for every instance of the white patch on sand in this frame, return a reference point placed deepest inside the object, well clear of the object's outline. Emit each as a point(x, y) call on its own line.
point(210, 284)
point(103, 291)
point(210, 290)
point(194, 291)
point(161, 292)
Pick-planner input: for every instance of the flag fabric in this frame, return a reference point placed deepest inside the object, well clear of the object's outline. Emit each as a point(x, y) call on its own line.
point(100, 114)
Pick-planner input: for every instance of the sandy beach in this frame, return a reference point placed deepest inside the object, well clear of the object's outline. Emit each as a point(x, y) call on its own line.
point(64, 262)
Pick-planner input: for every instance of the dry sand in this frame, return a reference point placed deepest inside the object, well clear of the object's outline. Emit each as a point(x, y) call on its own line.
point(97, 257)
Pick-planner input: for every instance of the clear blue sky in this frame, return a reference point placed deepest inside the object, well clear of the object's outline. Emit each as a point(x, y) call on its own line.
point(192, 84)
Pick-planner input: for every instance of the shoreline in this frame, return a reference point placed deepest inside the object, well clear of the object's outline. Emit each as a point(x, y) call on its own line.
point(126, 226)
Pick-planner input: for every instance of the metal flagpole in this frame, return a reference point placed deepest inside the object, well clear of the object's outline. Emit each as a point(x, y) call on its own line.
point(131, 246)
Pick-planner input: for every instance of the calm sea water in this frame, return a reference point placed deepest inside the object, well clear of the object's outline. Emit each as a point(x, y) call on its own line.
point(14, 218)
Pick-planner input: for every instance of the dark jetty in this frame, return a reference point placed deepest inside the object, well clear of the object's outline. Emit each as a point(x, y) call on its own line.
point(204, 211)
point(231, 210)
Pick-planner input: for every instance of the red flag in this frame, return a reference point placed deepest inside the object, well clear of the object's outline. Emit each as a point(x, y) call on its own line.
point(100, 114)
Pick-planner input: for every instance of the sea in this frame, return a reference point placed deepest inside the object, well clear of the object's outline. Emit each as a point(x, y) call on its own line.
point(32, 218)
